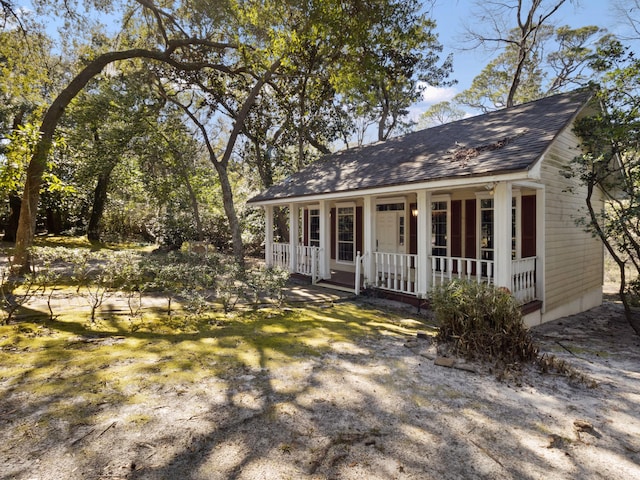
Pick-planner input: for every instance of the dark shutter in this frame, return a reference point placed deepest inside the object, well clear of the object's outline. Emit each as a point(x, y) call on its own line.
point(456, 228)
point(413, 229)
point(305, 227)
point(528, 247)
point(470, 229)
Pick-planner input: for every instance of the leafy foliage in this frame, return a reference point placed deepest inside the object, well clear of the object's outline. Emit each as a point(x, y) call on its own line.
point(610, 166)
point(482, 321)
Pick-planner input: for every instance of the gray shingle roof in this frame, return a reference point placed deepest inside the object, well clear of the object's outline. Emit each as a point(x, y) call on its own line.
point(503, 141)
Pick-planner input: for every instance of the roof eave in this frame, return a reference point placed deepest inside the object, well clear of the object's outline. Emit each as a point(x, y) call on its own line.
point(437, 184)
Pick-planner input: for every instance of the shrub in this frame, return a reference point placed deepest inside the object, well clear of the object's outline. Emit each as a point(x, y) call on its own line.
point(482, 322)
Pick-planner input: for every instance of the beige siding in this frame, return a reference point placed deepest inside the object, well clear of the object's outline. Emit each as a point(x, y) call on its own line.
point(574, 259)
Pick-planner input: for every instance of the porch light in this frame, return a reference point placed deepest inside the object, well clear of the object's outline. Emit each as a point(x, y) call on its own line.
point(414, 212)
point(491, 187)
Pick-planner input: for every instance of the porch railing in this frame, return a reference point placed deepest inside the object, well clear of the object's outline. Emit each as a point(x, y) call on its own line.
point(360, 268)
point(280, 255)
point(523, 274)
point(307, 261)
point(395, 272)
point(444, 269)
point(523, 279)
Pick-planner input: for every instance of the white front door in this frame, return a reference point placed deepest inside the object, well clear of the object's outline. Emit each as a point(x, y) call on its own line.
point(387, 232)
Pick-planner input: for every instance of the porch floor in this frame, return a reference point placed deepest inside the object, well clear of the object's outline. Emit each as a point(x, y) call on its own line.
point(341, 280)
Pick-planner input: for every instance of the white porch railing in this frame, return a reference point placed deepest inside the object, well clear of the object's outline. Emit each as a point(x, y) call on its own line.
point(360, 260)
point(523, 274)
point(280, 255)
point(307, 261)
point(523, 279)
point(396, 272)
point(444, 269)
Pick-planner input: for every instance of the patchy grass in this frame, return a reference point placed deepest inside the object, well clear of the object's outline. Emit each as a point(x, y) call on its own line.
point(72, 366)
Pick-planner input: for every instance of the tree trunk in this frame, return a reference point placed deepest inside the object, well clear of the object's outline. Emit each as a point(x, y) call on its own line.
point(12, 222)
point(99, 202)
point(230, 211)
point(633, 319)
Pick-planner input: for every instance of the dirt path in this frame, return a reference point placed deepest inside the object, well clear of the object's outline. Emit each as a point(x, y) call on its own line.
point(375, 409)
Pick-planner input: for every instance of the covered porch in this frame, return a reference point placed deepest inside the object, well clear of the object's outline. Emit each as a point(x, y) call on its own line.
point(407, 242)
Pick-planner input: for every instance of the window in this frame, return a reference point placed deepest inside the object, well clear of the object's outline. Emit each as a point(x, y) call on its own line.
point(439, 228)
point(401, 231)
point(314, 227)
point(516, 222)
point(390, 207)
point(346, 234)
point(486, 230)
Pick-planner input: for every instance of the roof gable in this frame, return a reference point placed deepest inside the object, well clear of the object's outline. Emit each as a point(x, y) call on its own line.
point(504, 141)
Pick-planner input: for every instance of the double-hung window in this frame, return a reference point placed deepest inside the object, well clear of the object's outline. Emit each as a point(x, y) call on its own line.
point(346, 233)
point(314, 227)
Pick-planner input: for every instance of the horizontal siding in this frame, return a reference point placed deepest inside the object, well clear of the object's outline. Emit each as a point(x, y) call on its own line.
point(574, 260)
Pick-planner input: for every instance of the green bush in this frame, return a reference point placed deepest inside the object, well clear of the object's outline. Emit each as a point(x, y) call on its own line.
point(481, 321)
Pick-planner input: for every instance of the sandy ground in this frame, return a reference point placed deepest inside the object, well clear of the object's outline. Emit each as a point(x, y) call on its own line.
point(378, 409)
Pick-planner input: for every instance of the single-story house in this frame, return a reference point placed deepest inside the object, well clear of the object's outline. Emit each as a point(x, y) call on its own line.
point(482, 198)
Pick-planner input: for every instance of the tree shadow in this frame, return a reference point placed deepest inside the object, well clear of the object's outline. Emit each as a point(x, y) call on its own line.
point(314, 393)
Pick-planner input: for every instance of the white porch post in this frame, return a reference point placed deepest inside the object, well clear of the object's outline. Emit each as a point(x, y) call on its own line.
point(540, 245)
point(268, 235)
point(424, 241)
point(325, 240)
point(294, 220)
point(369, 234)
point(502, 231)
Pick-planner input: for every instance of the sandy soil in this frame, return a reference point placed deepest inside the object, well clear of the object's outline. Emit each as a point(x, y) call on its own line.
point(379, 409)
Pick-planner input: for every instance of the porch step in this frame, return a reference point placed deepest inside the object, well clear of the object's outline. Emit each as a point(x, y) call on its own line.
point(335, 286)
point(531, 307)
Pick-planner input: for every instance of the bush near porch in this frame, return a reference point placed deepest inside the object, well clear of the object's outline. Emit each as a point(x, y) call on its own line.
point(481, 321)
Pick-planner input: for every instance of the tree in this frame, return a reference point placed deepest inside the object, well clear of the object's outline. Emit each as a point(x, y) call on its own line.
point(627, 10)
point(612, 164)
point(541, 75)
point(167, 41)
point(523, 40)
point(101, 126)
point(386, 70)
point(440, 113)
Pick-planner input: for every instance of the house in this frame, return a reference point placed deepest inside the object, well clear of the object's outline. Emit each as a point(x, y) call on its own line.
point(482, 198)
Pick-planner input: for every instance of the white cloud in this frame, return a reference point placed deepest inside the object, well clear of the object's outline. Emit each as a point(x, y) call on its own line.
point(438, 94)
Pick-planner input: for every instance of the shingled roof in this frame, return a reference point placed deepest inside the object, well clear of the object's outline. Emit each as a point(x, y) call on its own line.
point(504, 141)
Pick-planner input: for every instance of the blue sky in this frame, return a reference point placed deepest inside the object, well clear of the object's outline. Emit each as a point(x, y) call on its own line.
point(452, 15)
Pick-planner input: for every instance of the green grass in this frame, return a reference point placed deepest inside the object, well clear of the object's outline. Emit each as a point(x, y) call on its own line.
point(107, 362)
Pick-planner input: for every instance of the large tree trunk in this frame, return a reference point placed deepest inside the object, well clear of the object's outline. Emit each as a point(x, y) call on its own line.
point(12, 222)
point(99, 202)
point(230, 211)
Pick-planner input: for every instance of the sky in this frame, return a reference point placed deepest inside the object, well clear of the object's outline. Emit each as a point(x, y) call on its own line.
point(452, 15)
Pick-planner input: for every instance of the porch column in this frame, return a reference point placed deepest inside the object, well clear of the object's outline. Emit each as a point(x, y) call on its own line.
point(424, 241)
point(325, 241)
point(268, 235)
point(541, 194)
point(369, 237)
point(294, 235)
point(502, 231)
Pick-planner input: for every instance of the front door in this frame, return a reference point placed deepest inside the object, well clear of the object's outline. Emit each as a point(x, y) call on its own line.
point(387, 232)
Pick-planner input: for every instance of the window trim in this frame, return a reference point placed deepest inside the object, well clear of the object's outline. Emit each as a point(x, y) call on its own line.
point(447, 199)
point(338, 206)
point(308, 226)
point(479, 197)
